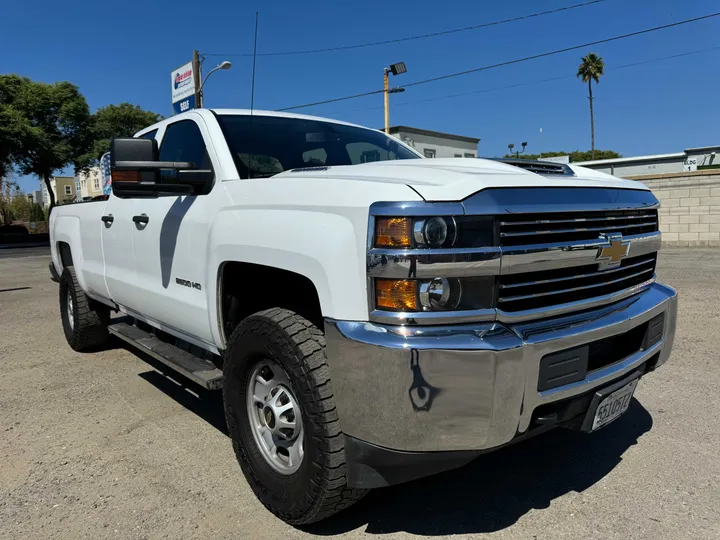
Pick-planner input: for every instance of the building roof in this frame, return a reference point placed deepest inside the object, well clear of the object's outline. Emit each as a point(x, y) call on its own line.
point(418, 131)
point(653, 157)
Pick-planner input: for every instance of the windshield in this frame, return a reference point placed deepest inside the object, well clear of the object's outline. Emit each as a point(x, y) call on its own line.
point(279, 144)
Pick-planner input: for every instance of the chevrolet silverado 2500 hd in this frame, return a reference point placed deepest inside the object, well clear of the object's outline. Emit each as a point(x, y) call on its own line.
point(371, 316)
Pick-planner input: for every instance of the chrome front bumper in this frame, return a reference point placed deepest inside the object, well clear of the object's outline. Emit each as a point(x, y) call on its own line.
point(472, 387)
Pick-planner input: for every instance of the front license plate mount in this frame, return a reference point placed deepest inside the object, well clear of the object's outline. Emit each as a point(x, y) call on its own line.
point(609, 403)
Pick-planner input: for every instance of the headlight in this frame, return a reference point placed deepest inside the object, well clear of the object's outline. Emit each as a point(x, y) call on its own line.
point(431, 232)
point(439, 294)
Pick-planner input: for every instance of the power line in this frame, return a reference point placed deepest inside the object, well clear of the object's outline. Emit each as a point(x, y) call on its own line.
point(541, 81)
point(516, 61)
point(422, 36)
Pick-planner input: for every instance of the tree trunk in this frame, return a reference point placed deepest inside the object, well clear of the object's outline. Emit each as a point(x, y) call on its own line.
point(592, 122)
point(51, 195)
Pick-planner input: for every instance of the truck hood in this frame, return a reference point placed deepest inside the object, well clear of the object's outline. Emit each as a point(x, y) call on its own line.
point(454, 179)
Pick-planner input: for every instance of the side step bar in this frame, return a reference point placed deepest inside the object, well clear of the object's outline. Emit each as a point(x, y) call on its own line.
point(196, 369)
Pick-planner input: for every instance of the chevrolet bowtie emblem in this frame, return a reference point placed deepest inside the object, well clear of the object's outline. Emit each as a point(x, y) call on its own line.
point(610, 255)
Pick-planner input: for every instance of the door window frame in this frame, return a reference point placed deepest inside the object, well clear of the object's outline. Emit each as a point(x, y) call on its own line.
point(158, 133)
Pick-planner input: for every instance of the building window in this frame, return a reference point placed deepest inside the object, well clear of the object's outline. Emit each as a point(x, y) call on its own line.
point(458, 155)
point(470, 155)
point(429, 152)
point(68, 190)
point(96, 183)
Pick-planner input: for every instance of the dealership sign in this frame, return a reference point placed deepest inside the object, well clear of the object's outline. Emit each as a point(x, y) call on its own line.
point(182, 82)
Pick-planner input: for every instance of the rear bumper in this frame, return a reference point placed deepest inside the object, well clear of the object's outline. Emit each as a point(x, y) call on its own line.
point(475, 387)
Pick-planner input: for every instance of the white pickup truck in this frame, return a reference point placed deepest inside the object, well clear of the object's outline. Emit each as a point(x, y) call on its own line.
point(371, 316)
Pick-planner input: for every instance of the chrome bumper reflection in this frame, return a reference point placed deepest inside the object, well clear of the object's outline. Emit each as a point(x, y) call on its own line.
point(471, 387)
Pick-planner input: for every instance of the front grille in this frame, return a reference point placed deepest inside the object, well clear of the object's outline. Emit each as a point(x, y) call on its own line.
point(532, 290)
point(529, 229)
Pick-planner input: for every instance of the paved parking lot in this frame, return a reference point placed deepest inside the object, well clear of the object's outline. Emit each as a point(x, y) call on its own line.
point(105, 446)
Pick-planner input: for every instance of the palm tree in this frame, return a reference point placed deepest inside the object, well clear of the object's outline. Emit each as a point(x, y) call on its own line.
point(591, 69)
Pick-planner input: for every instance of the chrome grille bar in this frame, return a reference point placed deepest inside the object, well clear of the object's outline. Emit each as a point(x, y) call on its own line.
point(577, 276)
point(581, 229)
point(573, 289)
point(573, 220)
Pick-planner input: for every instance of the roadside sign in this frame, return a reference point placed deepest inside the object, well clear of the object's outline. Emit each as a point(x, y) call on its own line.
point(182, 85)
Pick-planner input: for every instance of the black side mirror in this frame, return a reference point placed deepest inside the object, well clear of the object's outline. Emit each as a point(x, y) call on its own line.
point(136, 170)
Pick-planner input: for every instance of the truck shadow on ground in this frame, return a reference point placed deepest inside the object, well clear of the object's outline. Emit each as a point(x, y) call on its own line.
point(494, 491)
point(489, 494)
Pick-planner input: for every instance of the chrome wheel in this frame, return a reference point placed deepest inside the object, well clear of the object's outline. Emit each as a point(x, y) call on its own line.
point(275, 418)
point(70, 310)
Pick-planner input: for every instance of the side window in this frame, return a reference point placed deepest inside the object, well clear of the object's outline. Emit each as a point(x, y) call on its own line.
point(149, 134)
point(183, 142)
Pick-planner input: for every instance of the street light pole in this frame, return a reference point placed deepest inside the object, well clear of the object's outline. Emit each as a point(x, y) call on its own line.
point(517, 152)
point(396, 69)
point(197, 67)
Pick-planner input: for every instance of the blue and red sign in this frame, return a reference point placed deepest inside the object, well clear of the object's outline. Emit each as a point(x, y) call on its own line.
point(182, 88)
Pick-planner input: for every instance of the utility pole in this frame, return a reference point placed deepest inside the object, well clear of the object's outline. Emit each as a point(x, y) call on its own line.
point(386, 93)
point(197, 76)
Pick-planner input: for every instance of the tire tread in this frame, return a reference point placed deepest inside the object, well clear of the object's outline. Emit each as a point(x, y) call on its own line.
point(90, 319)
point(304, 343)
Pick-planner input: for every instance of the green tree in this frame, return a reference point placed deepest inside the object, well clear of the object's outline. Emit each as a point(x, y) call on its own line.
point(591, 69)
point(575, 156)
point(13, 126)
point(55, 131)
point(7, 188)
point(20, 206)
point(122, 120)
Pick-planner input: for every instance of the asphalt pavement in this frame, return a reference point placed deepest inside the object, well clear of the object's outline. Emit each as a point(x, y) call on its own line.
point(105, 445)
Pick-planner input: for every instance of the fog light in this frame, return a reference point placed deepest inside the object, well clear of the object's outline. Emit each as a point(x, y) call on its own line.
point(441, 294)
point(396, 294)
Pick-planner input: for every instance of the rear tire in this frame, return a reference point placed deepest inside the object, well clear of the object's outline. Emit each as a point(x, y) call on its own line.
point(84, 320)
point(294, 347)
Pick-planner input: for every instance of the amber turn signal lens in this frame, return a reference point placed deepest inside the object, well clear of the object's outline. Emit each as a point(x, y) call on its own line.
point(125, 176)
point(393, 232)
point(396, 294)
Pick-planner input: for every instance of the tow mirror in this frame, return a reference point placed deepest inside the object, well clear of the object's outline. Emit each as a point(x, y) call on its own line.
point(136, 170)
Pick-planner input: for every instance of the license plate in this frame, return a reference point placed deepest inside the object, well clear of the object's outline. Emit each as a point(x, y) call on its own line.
point(614, 405)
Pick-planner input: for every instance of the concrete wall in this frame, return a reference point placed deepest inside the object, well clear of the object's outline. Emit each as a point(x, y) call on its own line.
point(444, 148)
point(689, 207)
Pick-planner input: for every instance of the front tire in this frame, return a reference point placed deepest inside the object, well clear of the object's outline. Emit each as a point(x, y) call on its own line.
point(281, 414)
point(84, 320)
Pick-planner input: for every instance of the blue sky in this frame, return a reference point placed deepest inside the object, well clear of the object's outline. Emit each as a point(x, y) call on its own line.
point(125, 51)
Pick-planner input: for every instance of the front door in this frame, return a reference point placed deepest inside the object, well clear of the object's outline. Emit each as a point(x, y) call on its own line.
point(170, 238)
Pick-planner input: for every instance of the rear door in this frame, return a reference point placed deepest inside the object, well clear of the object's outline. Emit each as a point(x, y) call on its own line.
point(117, 244)
point(117, 230)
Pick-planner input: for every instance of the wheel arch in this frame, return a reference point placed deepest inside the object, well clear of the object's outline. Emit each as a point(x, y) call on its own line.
point(245, 288)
